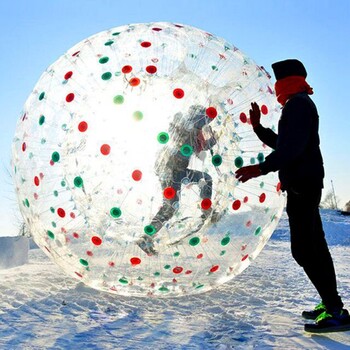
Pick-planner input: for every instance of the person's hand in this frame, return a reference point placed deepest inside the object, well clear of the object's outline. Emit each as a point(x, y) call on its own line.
point(248, 172)
point(215, 134)
point(254, 114)
point(202, 155)
point(208, 130)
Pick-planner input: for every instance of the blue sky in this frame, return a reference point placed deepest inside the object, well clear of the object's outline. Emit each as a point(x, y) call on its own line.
point(36, 33)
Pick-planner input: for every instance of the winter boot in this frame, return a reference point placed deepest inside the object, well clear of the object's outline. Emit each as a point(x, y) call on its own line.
point(313, 314)
point(146, 243)
point(335, 321)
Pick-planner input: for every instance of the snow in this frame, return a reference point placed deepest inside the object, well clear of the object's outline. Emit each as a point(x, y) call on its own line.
point(260, 309)
point(13, 251)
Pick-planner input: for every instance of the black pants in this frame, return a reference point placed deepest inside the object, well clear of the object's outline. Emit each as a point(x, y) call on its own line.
point(308, 243)
point(167, 210)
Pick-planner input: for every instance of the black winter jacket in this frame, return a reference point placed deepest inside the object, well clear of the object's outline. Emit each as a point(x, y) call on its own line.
point(296, 153)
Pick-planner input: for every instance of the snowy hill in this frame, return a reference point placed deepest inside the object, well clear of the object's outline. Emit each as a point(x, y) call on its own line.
point(336, 227)
point(260, 309)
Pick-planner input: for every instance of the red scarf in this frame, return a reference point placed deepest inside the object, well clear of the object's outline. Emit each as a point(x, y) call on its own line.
point(287, 87)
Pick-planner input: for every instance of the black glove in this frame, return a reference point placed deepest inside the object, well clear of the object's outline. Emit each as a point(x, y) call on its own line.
point(254, 114)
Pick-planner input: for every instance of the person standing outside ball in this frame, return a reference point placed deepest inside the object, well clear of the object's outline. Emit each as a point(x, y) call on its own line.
point(297, 158)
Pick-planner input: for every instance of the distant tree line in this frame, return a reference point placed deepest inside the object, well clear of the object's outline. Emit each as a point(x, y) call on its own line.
point(347, 206)
point(330, 202)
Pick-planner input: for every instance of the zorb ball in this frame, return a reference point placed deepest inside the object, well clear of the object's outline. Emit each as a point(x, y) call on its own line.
point(124, 159)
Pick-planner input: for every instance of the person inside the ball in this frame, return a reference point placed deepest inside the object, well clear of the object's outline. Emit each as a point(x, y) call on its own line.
point(191, 135)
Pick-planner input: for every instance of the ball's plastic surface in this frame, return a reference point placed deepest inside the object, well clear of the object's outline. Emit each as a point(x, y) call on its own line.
point(124, 160)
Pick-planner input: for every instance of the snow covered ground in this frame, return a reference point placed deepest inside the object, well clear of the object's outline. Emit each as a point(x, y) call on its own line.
point(40, 308)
